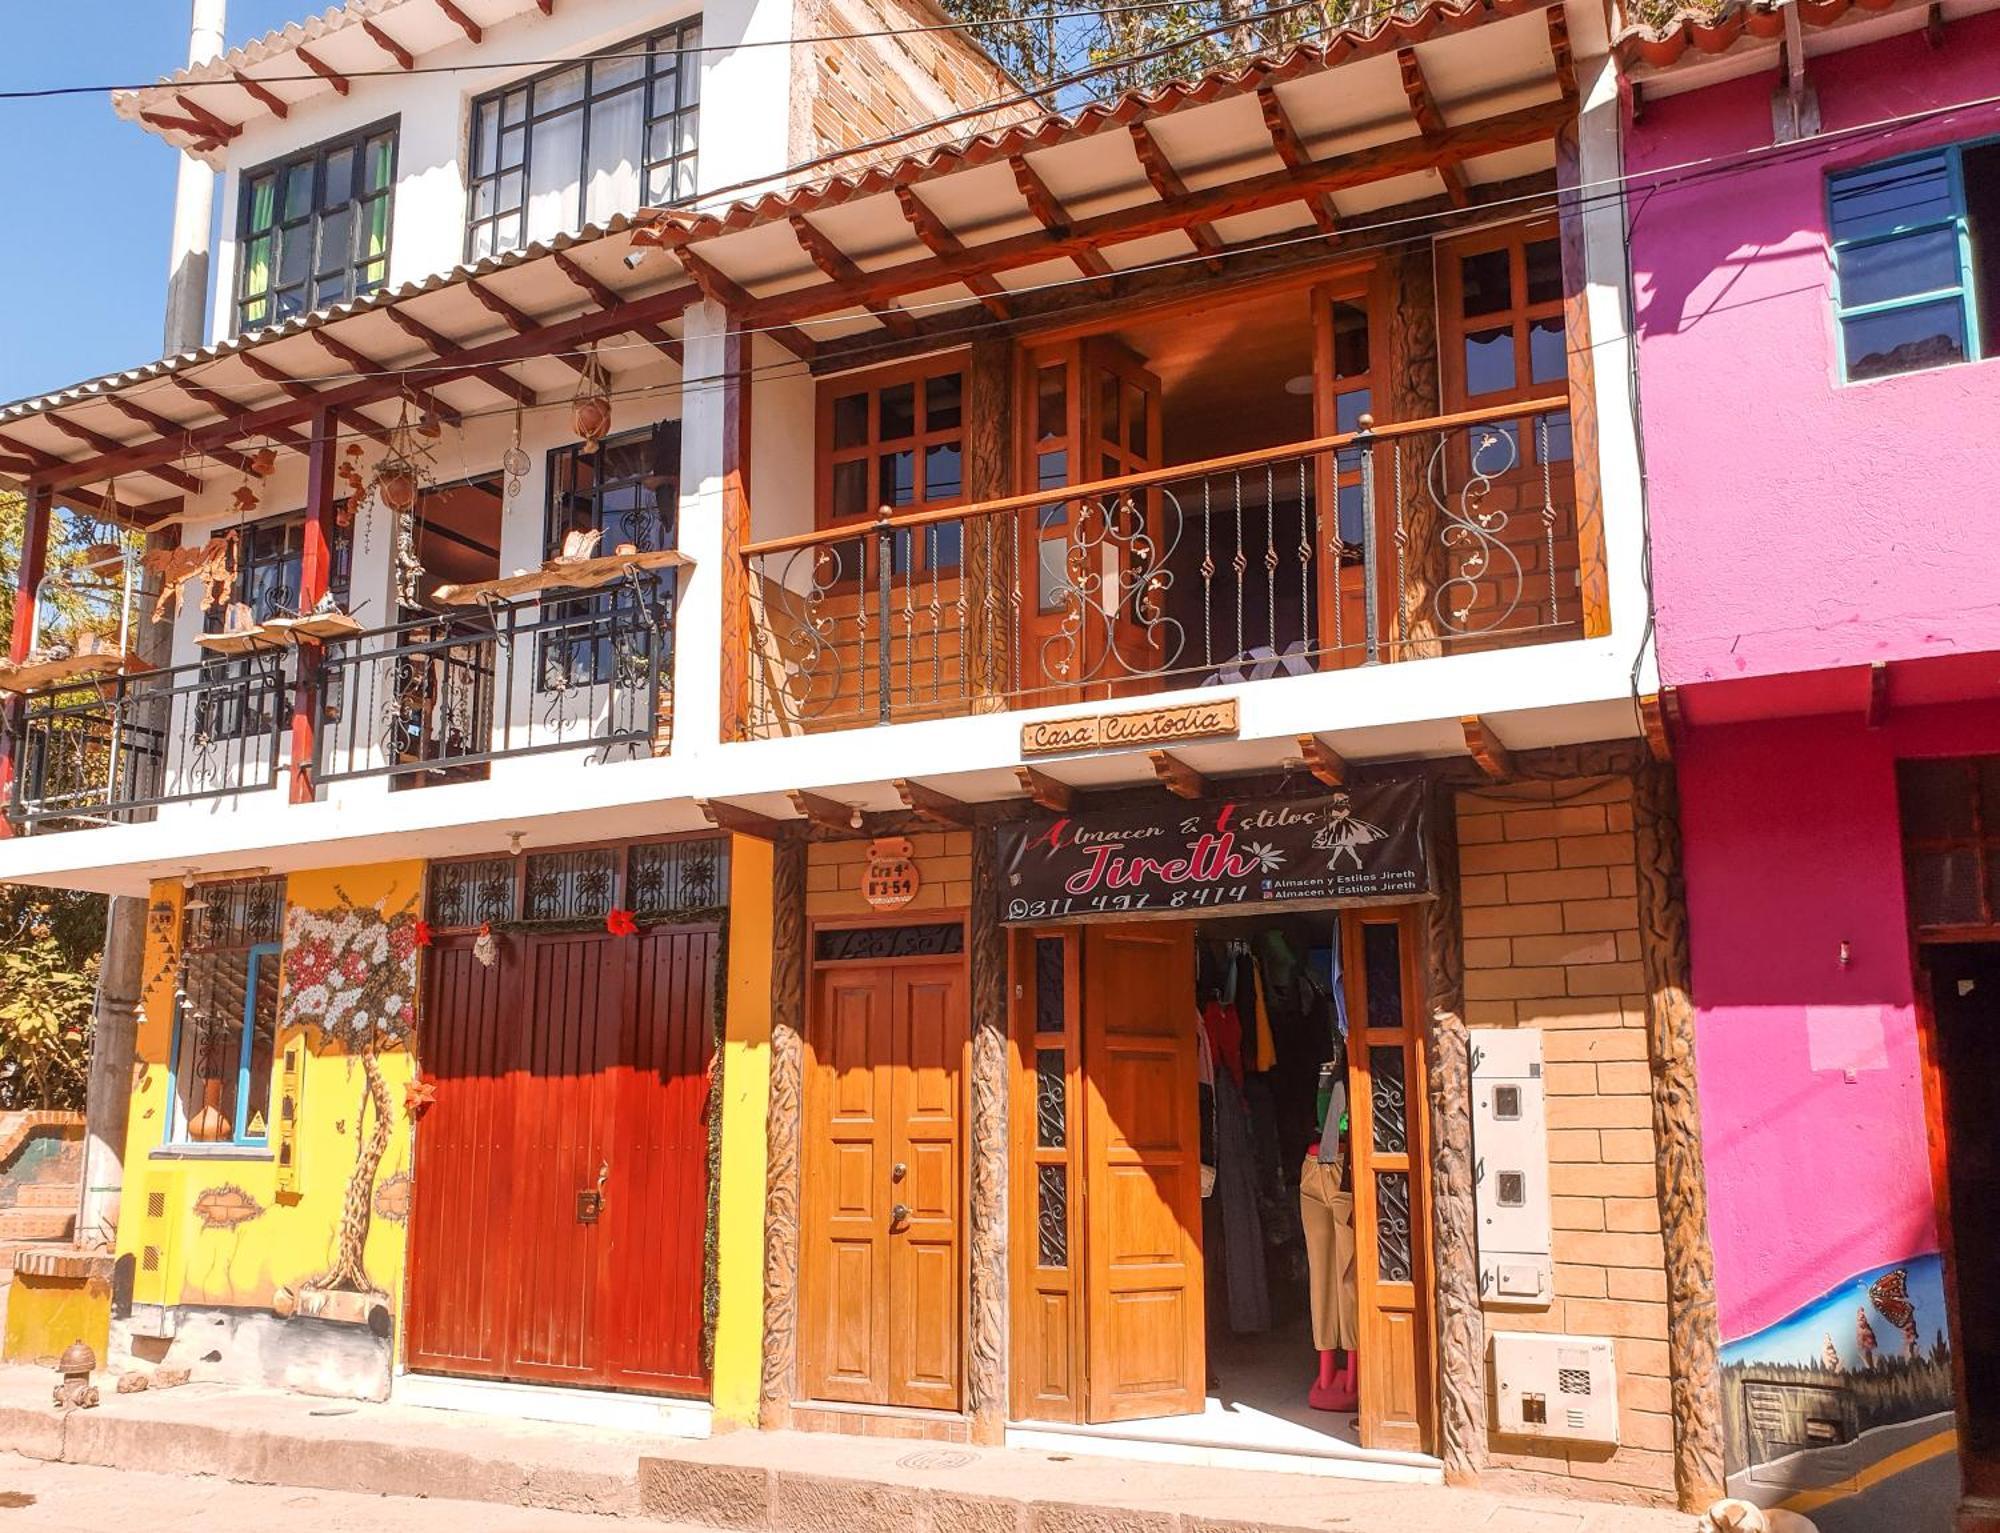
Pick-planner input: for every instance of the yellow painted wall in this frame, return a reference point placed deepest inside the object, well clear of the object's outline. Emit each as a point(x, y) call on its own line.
point(44, 1315)
point(193, 1241)
point(746, 1090)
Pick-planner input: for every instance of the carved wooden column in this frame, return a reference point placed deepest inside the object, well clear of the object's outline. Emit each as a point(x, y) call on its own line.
point(1692, 1337)
point(986, 1379)
point(1412, 389)
point(1461, 1327)
point(987, 555)
point(1593, 574)
point(781, 1183)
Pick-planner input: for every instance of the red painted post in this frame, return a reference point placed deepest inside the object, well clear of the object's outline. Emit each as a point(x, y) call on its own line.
point(315, 569)
point(34, 564)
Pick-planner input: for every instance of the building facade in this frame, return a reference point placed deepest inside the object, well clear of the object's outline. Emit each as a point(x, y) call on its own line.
point(951, 793)
point(1826, 633)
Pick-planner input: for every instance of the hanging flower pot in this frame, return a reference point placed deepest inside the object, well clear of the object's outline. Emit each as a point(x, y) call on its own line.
point(396, 485)
point(97, 555)
point(590, 410)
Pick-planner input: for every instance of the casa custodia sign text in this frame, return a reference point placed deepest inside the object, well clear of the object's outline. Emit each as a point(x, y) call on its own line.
point(1363, 843)
point(1154, 727)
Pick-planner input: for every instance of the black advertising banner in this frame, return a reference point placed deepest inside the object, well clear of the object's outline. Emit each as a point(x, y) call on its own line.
point(1361, 843)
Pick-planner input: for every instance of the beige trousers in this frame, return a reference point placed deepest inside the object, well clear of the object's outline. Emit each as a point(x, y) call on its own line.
point(1328, 1215)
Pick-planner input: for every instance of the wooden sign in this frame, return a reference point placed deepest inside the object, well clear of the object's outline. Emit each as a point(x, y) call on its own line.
point(1153, 728)
point(891, 880)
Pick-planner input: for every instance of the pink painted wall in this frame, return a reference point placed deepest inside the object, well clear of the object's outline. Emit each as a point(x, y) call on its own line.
point(1799, 522)
point(1812, 1098)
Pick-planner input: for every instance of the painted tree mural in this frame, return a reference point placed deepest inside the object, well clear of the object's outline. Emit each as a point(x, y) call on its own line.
point(351, 981)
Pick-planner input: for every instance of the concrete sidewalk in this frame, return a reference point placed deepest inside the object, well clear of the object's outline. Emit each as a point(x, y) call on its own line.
point(754, 1482)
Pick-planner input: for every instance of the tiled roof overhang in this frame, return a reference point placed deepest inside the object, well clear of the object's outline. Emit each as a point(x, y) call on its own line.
point(1743, 29)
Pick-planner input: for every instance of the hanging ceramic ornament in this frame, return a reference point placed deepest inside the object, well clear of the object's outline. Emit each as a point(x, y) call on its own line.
point(516, 460)
point(590, 410)
point(484, 947)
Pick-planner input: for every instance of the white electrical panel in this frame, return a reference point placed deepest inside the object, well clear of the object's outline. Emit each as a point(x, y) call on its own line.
point(1555, 1386)
point(1510, 1148)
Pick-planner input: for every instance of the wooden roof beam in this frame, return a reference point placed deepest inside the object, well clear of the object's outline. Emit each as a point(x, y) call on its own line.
point(720, 288)
point(229, 409)
point(299, 391)
point(1179, 779)
point(1169, 186)
point(228, 457)
point(1653, 719)
point(1430, 121)
point(606, 297)
point(217, 127)
point(830, 813)
point(837, 264)
point(1493, 758)
point(368, 367)
point(326, 72)
point(1323, 761)
point(466, 24)
point(546, 7)
point(1049, 213)
point(933, 803)
point(450, 351)
point(1559, 50)
point(389, 45)
point(946, 246)
point(517, 321)
point(1292, 150)
point(100, 444)
point(1050, 793)
point(743, 822)
point(277, 105)
point(170, 124)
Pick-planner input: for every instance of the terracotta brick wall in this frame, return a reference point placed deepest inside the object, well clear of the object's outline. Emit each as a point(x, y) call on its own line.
point(944, 861)
point(1552, 942)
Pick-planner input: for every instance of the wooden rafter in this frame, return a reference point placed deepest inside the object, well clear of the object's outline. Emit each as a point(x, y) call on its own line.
point(933, 803)
point(368, 367)
point(1050, 214)
point(1429, 120)
point(1653, 719)
point(97, 442)
point(188, 125)
point(450, 352)
point(278, 106)
point(1323, 761)
point(1492, 757)
point(720, 288)
point(299, 391)
point(1559, 50)
point(606, 297)
point(1292, 150)
point(830, 813)
point(836, 263)
point(1169, 186)
point(466, 24)
point(947, 247)
point(1179, 779)
point(743, 822)
point(515, 320)
point(228, 457)
point(389, 45)
point(1878, 693)
point(546, 7)
point(217, 127)
point(1050, 793)
point(325, 71)
point(229, 409)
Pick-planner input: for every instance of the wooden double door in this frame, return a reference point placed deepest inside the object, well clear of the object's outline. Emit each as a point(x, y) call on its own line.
point(883, 1274)
point(1109, 1320)
point(557, 1234)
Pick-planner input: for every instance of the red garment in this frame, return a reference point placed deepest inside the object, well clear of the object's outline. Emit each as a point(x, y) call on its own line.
point(1225, 1037)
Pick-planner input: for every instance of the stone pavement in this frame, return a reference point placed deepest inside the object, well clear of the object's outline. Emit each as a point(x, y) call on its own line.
point(754, 1482)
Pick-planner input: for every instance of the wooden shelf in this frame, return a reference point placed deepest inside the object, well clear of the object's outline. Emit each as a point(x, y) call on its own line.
point(240, 641)
point(323, 626)
point(47, 673)
point(557, 575)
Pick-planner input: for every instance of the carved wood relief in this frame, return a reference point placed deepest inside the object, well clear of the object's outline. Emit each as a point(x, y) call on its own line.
point(1413, 395)
point(781, 1186)
point(986, 1378)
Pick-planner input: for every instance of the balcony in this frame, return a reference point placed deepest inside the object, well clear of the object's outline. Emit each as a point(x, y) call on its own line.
point(1395, 542)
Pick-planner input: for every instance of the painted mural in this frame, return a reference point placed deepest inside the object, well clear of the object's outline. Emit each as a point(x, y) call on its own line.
point(1848, 1393)
point(283, 1265)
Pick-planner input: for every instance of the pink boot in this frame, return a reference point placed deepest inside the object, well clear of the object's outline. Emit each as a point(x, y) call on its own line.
point(1334, 1389)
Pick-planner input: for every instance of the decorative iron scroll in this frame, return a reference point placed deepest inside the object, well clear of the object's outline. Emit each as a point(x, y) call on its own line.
point(1052, 1215)
point(241, 913)
point(1387, 1087)
point(667, 877)
point(569, 886)
point(472, 893)
point(854, 944)
point(1472, 524)
point(1051, 1108)
point(1393, 1261)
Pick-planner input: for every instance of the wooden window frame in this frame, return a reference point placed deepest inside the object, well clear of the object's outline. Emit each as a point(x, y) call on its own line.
point(827, 458)
point(354, 268)
point(261, 945)
point(1520, 318)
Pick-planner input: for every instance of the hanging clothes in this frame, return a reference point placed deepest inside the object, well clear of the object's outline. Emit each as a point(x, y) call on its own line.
point(1328, 1216)
point(1265, 1052)
point(1225, 1037)
point(1242, 1228)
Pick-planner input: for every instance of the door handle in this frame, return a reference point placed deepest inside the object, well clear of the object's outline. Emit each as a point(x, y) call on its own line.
point(898, 1171)
point(590, 1202)
point(899, 1216)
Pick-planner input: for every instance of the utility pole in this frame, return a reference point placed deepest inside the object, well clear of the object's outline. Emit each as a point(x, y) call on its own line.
point(120, 974)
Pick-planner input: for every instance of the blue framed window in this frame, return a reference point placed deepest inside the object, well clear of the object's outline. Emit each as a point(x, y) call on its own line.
point(1916, 254)
point(226, 1021)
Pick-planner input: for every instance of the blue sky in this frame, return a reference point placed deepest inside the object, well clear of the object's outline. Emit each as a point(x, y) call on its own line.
point(89, 198)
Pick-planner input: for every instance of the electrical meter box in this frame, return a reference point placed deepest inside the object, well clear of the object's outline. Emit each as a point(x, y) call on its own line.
point(1510, 1148)
point(1562, 1387)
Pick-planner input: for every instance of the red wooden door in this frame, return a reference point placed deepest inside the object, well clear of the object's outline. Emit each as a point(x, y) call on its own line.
point(562, 1172)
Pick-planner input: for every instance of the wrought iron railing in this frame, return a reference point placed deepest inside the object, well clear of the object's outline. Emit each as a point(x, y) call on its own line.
point(112, 748)
point(438, 699)
point(1391, 543)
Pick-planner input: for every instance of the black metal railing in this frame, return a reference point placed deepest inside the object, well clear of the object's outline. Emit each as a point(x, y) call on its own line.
point(112, 748)
point(438, 699)
point(1398, 542)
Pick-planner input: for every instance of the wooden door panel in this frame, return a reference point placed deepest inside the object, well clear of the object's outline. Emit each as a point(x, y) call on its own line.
point(1143, 1273)
point(932, 1028)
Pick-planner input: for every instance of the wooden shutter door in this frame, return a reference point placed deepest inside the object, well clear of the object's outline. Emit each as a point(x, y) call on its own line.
point(1142, 1174)
point(1391, 1211)
point(926, 1186)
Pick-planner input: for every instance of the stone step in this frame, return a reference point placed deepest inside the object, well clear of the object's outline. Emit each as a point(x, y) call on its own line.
point(47, 1195)
point(18, 1224)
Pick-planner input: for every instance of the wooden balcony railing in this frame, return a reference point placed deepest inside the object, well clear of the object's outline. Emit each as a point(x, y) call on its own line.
point(1415, 539)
